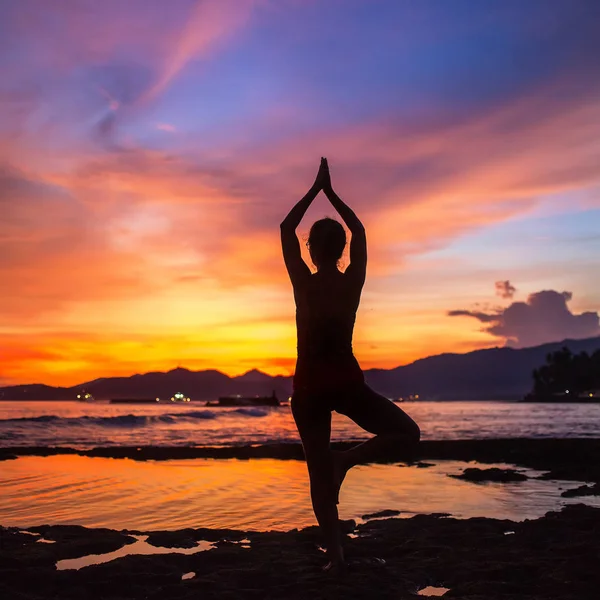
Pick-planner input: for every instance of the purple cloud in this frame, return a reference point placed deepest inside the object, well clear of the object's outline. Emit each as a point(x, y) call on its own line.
point(504, 289)
point(545, 317)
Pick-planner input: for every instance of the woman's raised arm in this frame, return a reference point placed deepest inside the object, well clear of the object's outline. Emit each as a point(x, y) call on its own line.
point(296, 267)
point(358, 244)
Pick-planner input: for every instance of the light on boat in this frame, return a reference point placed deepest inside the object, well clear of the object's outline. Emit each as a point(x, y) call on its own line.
point(158, 399)
point(79, 395)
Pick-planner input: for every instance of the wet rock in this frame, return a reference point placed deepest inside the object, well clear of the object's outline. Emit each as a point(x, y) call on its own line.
point(552, 557)
point(185, 538)
point(584, 490)
point(382, 513)
point(73, 541)
point(419, 464)
point(498, 475)
point(586, 471)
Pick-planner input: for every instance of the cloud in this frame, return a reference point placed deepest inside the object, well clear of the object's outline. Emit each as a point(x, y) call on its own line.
point(104, 62)
point(504, 289)
point(55, 251)
point(166, 127)
point(416, 187)
point(544, 317)
point(210, 23)
point(109, 223)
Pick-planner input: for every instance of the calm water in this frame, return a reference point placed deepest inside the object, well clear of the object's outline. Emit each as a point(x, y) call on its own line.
point(254, 494)
point(257, 494)
point(83, 425)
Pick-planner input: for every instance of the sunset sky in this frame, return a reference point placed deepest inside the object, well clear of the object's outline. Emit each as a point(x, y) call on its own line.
point(150, 149)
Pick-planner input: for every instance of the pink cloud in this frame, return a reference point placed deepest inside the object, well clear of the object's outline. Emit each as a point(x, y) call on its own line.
point(209, 24)
point(113, 104)
point(166, 127)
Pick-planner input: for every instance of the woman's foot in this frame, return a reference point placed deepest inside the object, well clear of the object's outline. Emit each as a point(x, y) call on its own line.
point(366, 561)
point(335, 556)
point(340, 468)
point(335, 568)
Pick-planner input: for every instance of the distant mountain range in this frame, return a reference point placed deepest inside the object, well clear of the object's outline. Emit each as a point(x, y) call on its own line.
point(492, 374)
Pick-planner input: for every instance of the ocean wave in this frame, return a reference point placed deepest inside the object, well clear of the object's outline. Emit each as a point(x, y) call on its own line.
point(251, 412)
point(131, 420)
point(40, 419)
point(195, 414)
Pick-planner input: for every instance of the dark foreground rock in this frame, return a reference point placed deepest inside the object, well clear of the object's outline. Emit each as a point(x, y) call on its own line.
point(552, 557)
point(584, 490)
point(70, 541)
point(498, 475)
point(382, 513)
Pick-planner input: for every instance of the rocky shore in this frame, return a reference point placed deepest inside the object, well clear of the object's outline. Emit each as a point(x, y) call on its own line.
point(552, 557)
point(564, 458)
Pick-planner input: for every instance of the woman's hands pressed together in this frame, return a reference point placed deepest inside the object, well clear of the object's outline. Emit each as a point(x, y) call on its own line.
point(323, 180)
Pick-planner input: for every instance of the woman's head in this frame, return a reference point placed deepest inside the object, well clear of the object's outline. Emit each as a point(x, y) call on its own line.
point(326, 242)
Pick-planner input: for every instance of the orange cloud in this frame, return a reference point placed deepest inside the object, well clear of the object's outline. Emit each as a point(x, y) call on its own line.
point(174, 255)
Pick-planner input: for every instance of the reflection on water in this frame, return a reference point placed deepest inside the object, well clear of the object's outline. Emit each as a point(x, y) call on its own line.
point(189, 575)
point(138, 547)
point(247, 494)
point(433, 591)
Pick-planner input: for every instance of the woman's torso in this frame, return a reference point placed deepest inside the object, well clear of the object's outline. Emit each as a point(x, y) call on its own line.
point(325, 314)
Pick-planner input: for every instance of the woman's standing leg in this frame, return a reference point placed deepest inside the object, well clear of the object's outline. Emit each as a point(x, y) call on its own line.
point(313, 420)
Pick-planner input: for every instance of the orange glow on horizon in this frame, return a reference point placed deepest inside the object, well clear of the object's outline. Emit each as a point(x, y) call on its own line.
point(140, 210)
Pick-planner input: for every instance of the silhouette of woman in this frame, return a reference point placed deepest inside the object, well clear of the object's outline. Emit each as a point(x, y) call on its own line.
point(328, 376)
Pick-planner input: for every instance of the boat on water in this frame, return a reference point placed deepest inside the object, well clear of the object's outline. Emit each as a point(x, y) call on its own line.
point(408, 398)
point(177, 397)
point(238, 400)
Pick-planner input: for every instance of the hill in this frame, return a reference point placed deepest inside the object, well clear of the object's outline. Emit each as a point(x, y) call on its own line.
point(491, 374)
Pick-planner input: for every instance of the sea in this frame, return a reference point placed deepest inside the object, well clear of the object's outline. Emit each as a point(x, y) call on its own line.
point(257, 494)
point(89, 424)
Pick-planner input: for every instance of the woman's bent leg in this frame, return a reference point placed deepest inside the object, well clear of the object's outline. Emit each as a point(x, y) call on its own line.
point(396, 434)
point(313, 420)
